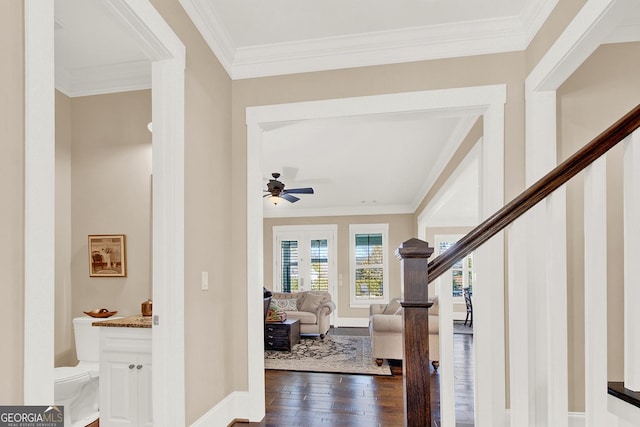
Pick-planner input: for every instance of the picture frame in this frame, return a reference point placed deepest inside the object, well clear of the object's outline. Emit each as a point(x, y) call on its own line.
point(107, 255)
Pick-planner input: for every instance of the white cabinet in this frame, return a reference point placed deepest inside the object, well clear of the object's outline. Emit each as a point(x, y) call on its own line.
point(125, 377)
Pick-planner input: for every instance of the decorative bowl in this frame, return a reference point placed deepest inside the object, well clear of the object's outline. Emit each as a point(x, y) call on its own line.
point(102, 313)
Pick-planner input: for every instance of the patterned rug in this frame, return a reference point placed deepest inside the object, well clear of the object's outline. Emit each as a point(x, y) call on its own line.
point(336, 353)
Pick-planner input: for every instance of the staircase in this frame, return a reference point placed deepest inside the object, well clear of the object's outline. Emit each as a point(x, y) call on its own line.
point(606, 403)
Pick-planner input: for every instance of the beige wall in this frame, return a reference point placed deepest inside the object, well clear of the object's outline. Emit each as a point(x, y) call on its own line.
point(401, 228)
point(103, 186)
point(591, 100)
point(563, 13)
point(111, 194)
point(12, 196)
point(212, 370)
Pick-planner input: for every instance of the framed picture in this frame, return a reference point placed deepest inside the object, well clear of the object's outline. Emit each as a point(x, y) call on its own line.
point(107, 256)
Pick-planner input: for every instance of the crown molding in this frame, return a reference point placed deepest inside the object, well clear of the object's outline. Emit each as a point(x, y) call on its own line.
point(212, 30)
point(104, 79)
point(534, 17)
point(378, 48)
point(367, 49)
point(624, 34)
point(297, 211)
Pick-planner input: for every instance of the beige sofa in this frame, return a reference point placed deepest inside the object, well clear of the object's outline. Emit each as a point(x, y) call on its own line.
point(312, 308)
point(385, 328)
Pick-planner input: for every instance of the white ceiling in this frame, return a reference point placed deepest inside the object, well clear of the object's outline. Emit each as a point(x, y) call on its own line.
point(362, 165)
point(381, 164)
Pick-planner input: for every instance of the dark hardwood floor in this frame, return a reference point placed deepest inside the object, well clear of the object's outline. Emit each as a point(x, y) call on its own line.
point(304, 399)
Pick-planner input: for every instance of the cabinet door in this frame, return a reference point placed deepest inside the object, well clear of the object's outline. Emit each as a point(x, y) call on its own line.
point(118, 389)
point(145, 400)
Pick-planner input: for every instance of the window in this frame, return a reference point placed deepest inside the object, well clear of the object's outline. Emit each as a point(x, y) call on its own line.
point(289, 265)
point(369, 264)
point(462, 271)
point(319, 279)
point(303, 258)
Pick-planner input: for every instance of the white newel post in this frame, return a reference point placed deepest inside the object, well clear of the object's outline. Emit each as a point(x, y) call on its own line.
point(631, 188)
point(595, 293)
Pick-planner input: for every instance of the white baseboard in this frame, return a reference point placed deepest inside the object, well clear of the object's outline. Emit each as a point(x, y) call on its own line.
point(363, 322)
point(576, 419)
point(457, 315)
point(623, 411)
point(224, 413)
point(351, 322)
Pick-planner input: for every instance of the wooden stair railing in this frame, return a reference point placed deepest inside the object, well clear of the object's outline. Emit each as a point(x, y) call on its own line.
point(414, 254)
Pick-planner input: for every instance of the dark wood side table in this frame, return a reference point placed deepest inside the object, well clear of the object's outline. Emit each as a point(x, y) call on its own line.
point(281, 335)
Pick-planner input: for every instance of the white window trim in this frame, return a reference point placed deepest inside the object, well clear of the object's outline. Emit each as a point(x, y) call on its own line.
point(440, 238)
point(368, 229)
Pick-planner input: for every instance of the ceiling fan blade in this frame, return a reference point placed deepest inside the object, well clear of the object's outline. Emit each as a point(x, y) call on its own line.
point(289, 197)
point(307, 190)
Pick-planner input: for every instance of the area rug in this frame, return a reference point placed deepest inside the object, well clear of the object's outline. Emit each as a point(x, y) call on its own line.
point(336, 353)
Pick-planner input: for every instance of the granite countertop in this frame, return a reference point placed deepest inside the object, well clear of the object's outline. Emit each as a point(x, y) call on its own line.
point(138, 321)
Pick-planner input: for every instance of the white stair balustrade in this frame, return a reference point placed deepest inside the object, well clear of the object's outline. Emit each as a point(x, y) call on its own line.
point(631, 194)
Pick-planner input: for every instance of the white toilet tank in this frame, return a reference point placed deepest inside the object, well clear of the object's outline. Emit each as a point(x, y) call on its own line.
point(87, 339)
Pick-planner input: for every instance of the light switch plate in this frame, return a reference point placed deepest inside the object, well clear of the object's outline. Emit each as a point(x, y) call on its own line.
point(205, 281)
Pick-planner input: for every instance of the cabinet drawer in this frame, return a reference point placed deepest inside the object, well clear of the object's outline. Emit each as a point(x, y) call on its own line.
point(277, 345)
point(281, 336)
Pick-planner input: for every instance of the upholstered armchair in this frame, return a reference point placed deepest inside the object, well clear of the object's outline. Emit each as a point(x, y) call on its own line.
point(312, 308)
point(385, 328)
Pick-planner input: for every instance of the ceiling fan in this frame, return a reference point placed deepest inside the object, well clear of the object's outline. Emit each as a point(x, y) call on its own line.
point(277, 192)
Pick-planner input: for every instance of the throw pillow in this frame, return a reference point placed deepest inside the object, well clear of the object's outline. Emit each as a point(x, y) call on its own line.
point(392, 307)
point(286, 304)
point(312, 302)
point(275, 314)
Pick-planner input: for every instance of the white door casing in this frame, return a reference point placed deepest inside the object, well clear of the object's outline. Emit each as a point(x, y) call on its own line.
point(167, 54)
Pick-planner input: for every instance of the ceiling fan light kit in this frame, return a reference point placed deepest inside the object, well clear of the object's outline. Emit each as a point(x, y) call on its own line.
point(277, 193)
point(274, 199)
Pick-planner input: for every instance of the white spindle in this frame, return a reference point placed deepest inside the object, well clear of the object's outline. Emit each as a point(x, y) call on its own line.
point(521, 380)
point(631, 187)
point(595, 293)
point(447, 385)
point(556, 307)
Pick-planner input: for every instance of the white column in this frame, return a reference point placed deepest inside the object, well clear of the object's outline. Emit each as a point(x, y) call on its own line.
point(39, 203)
point(595, 293)
point(488, 291)
point(631, 187)
point(255, 340)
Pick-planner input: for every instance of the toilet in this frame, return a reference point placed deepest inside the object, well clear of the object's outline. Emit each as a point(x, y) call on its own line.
point(76, 387)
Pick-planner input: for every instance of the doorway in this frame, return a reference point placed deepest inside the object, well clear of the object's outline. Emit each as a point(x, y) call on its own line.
point(487, 101)
point(168, 58)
